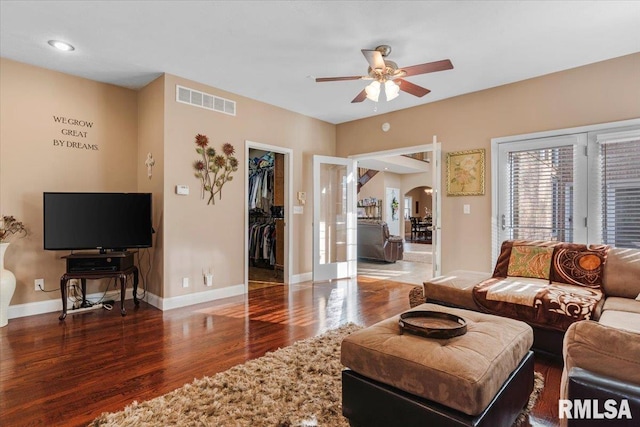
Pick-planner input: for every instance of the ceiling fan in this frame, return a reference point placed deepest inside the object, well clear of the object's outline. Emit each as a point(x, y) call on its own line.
point(387, 73)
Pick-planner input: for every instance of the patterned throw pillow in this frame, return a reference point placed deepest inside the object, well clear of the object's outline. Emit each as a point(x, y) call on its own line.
point(530, 261)
point(577, 264)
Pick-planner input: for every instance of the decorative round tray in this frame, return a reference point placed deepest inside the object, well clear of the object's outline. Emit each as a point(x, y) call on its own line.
point(432, 324)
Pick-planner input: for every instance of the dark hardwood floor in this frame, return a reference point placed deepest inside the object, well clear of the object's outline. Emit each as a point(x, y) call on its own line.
point(67, 373)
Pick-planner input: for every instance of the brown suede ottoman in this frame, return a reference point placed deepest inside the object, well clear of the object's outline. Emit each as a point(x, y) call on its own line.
point(455, 379)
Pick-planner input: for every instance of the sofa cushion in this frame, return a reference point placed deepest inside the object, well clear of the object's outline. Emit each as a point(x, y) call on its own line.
point(601, 349)
point(621, 320)
point(622, 273)
point(621, 304)
point(550, 306)
point(578, 264)
point(463, 373)
point(455, 288)
point(530, 261)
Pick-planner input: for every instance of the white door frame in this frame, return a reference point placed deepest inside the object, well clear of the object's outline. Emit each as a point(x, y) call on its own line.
point(429, 147)
point(288, 197)
point(339, 269)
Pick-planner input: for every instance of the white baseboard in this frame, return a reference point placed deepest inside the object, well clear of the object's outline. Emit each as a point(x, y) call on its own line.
point(50, 306)
point(196, 298)
point(42, 307)
point(299, 278)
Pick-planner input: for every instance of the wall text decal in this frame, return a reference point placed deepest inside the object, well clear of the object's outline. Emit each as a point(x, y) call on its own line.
point(69, 132)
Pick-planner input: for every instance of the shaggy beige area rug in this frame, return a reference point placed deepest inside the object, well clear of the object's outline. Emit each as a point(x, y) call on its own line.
point(298, 385)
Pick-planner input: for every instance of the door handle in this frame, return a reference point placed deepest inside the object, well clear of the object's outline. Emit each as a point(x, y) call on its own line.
point(504, 222)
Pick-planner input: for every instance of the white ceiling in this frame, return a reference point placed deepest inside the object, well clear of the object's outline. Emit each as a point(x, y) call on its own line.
point(272, 51)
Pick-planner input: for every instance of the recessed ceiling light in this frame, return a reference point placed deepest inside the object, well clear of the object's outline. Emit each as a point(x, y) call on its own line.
point(61, 45)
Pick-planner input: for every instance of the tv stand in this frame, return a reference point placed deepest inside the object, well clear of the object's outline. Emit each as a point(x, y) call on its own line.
point(83, 266)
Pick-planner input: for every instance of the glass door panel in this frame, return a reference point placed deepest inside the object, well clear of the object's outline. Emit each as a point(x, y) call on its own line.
point(334, 219)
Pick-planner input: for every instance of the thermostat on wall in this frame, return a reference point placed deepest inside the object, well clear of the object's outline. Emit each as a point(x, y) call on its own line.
point(183, 190)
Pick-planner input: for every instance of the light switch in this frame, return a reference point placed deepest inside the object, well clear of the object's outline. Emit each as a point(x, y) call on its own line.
point(298, 210)
point(466, 209)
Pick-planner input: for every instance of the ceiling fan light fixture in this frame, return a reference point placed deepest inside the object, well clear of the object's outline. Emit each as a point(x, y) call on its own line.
point(373, 91)
point(391, 90)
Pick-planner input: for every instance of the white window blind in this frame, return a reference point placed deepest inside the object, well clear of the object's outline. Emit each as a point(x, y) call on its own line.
point(540, 194)
point(619, 160)
point(577, 185)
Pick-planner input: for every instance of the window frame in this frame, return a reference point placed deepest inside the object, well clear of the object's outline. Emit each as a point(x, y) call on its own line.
point(590, 133)
point(595, 180)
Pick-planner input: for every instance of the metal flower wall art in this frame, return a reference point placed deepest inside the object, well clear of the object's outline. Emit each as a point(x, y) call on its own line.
point(214, 169)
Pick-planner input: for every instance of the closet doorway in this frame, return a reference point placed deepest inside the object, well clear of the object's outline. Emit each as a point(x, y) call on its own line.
point(267, 214)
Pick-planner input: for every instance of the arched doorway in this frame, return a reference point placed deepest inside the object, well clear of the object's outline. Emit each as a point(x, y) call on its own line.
point(417, 214)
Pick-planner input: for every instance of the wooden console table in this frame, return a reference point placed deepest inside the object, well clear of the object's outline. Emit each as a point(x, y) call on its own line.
point(91, 275)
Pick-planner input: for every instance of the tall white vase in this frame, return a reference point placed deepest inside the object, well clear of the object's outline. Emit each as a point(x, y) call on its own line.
point(7, 287)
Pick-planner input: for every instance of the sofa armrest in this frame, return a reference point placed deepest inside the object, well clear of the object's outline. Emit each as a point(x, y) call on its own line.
point(602, 350)
point(394, 249)
point(586, 385)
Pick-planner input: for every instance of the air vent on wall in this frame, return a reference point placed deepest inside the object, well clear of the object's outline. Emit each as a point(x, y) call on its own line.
point(205, 100)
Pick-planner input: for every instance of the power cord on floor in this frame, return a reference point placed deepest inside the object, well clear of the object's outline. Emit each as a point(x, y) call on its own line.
point(49, 290)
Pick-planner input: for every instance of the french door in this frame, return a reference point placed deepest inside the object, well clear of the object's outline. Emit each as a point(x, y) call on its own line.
point(334, 218)
point(542, 186)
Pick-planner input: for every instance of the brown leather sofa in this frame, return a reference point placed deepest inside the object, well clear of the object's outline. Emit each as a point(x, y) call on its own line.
point(375, 243)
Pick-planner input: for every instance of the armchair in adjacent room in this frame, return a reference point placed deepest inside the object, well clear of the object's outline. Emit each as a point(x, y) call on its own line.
point(374, 242)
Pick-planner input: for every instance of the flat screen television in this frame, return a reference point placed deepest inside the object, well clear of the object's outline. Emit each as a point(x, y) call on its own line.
point(104, 221)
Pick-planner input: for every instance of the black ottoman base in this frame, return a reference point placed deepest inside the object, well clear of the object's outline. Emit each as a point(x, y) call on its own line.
point(366, 402)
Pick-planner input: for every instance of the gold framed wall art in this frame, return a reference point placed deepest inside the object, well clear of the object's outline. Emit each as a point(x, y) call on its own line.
point(465, 173)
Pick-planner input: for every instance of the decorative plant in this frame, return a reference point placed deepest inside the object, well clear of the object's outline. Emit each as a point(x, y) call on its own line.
point(394, 207)
point(10, 227)
point(214, 169)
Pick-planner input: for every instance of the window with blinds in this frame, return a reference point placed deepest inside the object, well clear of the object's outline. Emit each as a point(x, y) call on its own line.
point(577, 185)
point(619, 173)
point(541, 191)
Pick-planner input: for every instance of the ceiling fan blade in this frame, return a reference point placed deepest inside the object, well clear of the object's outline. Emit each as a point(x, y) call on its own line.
point(374, 58)
point(429, 67)
point(360, 97)
point(411, 88)
point(337, 79)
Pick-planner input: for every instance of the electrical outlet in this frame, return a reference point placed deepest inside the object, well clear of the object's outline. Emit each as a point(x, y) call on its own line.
point(185, 282)
point(39, 284)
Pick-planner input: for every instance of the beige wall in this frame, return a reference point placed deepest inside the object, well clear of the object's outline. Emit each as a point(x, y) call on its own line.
point(598, 93)
point(30, 164)
point(197, 235)
point(190, 235)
